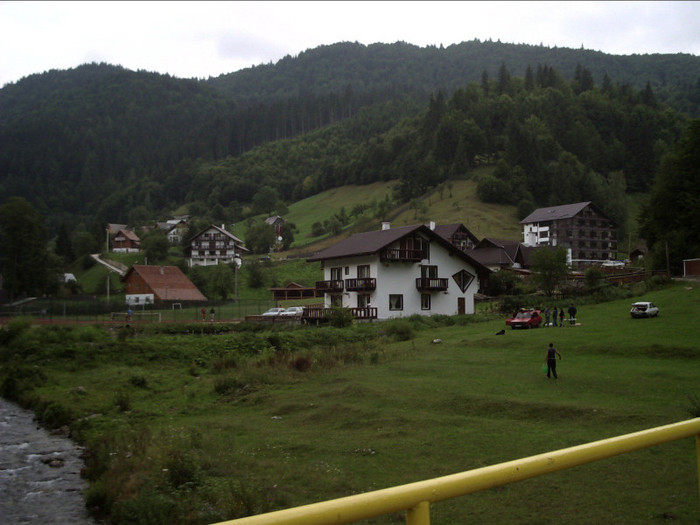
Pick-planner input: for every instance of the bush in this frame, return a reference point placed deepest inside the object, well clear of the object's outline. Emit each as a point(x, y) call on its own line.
point(401, 330)
point(504, 283)
point(340, 317)
point(54, 415)
point(593, 277)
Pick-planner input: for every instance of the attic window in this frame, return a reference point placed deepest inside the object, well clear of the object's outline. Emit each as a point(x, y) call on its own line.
point(463, 279)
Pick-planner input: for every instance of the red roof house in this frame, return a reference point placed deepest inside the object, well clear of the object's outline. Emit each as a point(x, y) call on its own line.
point(157, 284)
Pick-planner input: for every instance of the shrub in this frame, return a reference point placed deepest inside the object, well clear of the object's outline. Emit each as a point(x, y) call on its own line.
point(14, 328)
point(401, 330)
point(123, 401)
point(54, 415)
point(138, 381)
point(340, 317)
point(593, 277)
point(227, 385)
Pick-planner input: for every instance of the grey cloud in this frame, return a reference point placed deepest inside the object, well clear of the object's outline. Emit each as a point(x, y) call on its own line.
point(242, 46)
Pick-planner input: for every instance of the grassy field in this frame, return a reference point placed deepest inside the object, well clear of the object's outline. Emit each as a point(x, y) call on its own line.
point(197, 429)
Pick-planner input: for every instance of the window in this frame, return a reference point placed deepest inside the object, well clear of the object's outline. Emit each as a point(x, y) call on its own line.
point(429, 272)
point(362, 300)
point(425, 301)
point(347, 270)
point(395, 302)
point(463, 279)
point(337, 300)
point(336, 273)
point(363, 271)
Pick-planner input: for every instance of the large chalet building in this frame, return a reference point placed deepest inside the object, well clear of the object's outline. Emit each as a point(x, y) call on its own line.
point(582, 228)
point(213, 245)
point(398, 272)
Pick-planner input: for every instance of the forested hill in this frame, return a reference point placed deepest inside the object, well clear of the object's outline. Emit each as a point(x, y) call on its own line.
point(346, 69)
point(104, 142)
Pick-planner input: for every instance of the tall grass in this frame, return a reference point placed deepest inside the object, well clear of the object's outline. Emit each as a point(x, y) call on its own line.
point(186, 428)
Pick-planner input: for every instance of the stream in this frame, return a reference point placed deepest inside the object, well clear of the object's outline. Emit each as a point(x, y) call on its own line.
point(39, 473)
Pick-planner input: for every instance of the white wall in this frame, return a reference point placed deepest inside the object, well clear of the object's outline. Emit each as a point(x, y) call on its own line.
point(400, 278)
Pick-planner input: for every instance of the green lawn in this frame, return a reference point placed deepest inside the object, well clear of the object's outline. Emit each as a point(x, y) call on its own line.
point(224, 425)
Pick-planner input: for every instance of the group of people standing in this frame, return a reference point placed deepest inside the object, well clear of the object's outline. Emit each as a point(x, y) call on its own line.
point(559, 312)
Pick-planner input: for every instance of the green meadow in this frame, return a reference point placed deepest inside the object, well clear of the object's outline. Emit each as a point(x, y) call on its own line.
point(193, 425)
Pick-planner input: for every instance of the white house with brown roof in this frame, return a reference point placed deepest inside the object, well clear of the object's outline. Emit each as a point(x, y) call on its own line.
point(126, 241)
point(156, 284)
point(212, 246)
point(398, 272)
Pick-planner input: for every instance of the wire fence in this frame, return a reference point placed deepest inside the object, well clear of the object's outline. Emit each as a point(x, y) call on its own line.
point(102, 311)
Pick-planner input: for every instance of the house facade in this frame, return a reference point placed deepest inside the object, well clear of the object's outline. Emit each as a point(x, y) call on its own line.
point(582, 228)
point(126, 241)
point(398, 272)
point(457, 234)
point(213, 245)
point(175, 229)
point(159, 284)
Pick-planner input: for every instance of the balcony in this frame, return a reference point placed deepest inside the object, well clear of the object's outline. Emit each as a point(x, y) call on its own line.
point(329, 286)
point(362, 284)
point(403, 255)
point(322, 314)
point(431, 284)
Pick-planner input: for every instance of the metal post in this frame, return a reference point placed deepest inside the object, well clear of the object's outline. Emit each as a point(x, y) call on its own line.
point(697, 446)
point(419, 515)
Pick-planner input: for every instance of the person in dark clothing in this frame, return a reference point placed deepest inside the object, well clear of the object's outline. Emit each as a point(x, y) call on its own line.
point(561, 316)
point(551, 360)
point(554, 316)
point(572, 314)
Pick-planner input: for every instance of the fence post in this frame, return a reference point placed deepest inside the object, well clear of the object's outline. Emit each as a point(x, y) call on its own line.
point(697, 446)
point(419, 515)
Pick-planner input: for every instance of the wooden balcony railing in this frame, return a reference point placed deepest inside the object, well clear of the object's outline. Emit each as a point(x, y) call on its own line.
point(361, 284)
point(318, 314)
point(399, 255)
point(329, 286)
point(431, 284)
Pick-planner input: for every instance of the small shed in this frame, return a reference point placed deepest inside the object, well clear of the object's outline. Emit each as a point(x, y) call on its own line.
point(294, 291)
point(691, 267)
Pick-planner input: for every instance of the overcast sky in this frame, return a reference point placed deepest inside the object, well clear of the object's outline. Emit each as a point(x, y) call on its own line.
point(203, 39)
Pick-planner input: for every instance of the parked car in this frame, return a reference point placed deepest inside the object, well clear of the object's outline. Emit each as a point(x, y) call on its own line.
point(273, 312)
point(525, 318)
point(293, 311)
point(644, 309)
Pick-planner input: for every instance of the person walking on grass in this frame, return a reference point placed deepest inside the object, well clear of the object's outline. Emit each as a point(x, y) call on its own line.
point(551, 360)
point(554, 316)
point(561, 316)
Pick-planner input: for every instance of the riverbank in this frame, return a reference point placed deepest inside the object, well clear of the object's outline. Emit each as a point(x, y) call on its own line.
point(39, 473)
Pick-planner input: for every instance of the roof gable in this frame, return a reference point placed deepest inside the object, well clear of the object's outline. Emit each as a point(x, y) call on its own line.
point(553, 213)
point(168, 282)
point(370, 243)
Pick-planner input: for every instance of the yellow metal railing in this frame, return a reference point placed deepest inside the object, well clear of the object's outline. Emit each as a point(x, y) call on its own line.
point(415, 498)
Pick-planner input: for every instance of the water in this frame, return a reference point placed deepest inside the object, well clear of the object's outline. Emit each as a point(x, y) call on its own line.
point(40, 479)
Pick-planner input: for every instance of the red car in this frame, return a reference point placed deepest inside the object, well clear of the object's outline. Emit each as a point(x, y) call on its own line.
point(525, 318)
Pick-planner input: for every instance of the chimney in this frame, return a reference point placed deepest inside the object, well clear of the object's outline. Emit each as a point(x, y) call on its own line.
point(431, 225)
point(386, 225)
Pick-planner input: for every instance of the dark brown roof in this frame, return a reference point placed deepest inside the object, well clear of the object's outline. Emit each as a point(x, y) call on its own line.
point(236, 240)
point(369, 243)
point(553, 213)
point(448, 230)
point(167, 282)
point(491, 256)
point(510, 247)
point(128, 234)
